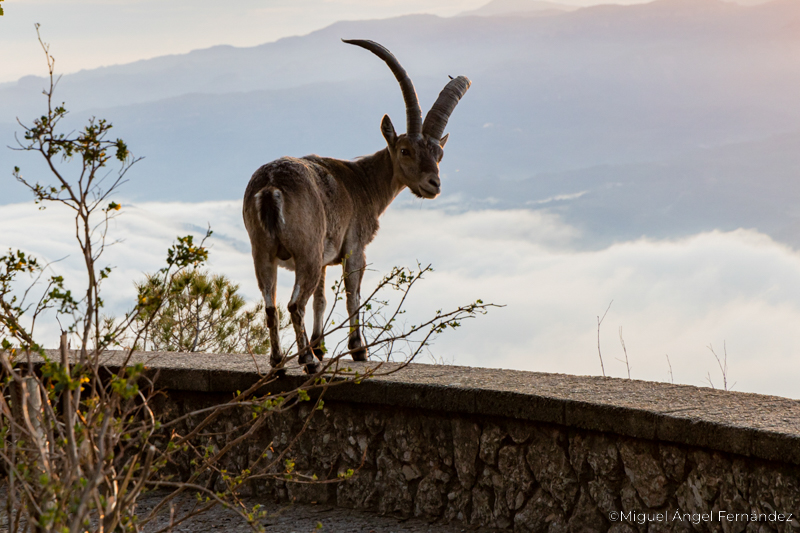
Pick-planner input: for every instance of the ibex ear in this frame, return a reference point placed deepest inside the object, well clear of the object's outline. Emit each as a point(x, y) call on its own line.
point(388, 131)
point(443, 140)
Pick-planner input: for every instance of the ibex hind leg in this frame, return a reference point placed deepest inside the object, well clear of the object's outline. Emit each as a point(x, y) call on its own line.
point(304, 285)
point(267, 275)
point(319, 316)
point(276, 355)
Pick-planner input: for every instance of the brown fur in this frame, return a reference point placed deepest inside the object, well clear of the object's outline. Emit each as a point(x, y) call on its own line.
point(313, 212)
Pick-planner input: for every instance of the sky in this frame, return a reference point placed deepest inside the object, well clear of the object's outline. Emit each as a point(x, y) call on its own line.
point(672, 299)
point(93, 33)
point(735, 291)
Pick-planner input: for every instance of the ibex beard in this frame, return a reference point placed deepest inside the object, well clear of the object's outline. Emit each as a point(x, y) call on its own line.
point(308, 213)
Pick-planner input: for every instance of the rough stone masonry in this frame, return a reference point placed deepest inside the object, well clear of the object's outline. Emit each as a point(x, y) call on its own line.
point(525, 451)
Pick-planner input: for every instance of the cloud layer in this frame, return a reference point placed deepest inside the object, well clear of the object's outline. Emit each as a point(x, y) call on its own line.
point(671, 298)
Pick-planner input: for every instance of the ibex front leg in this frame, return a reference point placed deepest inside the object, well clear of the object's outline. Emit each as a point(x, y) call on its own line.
point(354, 270)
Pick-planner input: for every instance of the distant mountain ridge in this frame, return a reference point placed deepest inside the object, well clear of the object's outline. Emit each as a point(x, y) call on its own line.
point(295, 61)
point(559, 106)
point(518, 7)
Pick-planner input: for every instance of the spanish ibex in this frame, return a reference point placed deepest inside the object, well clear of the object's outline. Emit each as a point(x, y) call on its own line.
point(312, 212)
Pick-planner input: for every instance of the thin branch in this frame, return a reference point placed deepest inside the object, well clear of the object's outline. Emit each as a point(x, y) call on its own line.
point(723, 367)
point(625, 350)
point(671, 377)
point(599, 322)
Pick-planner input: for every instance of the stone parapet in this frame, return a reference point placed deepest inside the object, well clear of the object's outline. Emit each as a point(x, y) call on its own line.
point(522, 450)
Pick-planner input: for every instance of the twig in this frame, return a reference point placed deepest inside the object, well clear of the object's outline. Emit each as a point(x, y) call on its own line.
point(723, 367)
point(622, 342)
point(600, 321)
point(671, 377)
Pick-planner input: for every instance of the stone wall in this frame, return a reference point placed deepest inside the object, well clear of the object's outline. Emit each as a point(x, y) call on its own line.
point(525, 451)
point(511, 474)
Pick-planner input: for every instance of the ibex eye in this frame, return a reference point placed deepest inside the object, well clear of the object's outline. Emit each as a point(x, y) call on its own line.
point(405, 151)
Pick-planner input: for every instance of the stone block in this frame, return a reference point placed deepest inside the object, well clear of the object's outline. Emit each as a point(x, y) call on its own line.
point(466, 443)
point(541, 514)
point(586, 518)
point(393, 492)
point(491, 438)
point(358, 492)
point(516, 481)
point(644, 471)
point(673, 461)
point(550, 465)
point(430, 497)
point(482, 499)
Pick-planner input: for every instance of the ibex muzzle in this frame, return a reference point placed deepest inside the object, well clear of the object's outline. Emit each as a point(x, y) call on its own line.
point(308, 213)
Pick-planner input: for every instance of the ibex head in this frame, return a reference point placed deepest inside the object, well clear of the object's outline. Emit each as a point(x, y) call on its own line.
point(416, 154)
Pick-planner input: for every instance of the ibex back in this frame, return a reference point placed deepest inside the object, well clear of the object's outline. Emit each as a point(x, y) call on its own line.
point(308, 213)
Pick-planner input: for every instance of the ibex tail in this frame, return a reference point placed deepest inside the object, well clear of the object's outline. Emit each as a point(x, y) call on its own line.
point(269, 202)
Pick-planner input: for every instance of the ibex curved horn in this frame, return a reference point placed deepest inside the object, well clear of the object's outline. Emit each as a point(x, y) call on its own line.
point(436, 119)
point(413, 111)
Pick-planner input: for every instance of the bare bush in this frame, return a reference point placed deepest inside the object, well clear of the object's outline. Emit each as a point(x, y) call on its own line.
point(723, 367)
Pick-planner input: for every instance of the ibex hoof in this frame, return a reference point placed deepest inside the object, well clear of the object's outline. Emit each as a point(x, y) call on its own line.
point(360, 354)
point(311, 368)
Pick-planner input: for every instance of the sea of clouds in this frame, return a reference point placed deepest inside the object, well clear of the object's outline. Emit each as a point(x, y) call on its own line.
point(672, 298)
